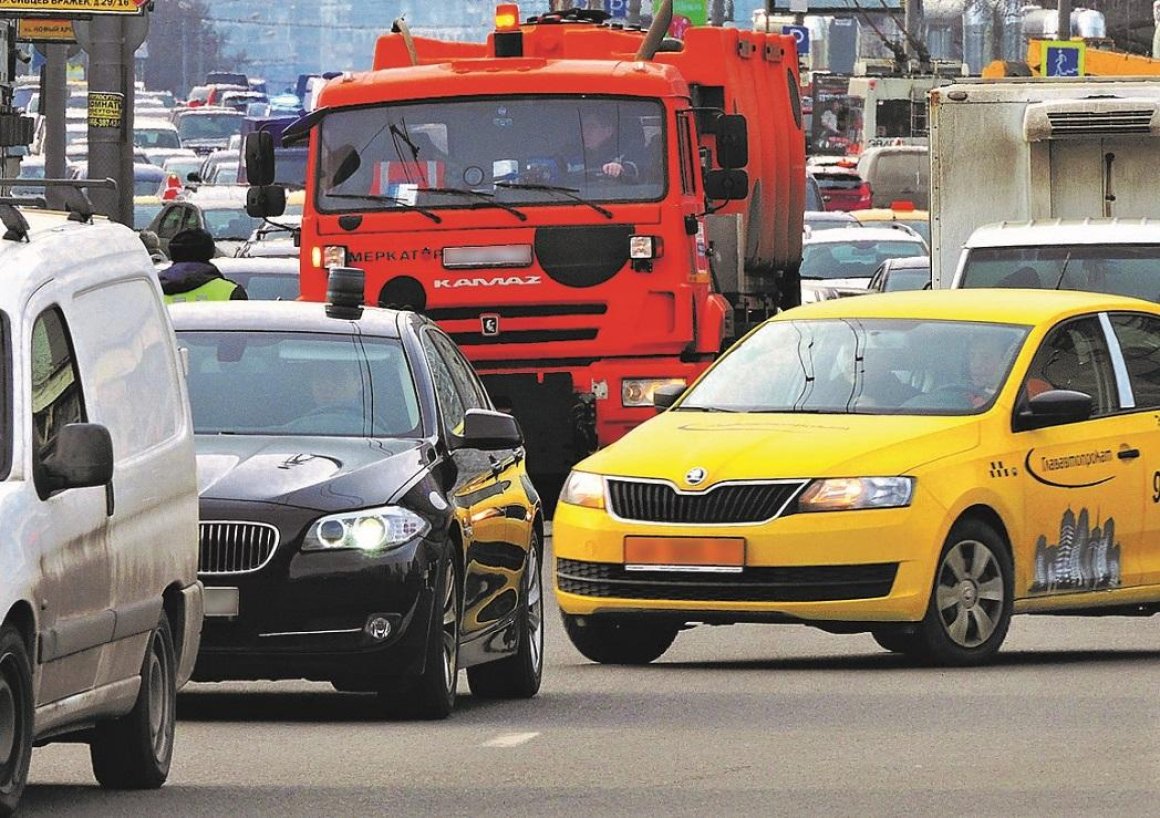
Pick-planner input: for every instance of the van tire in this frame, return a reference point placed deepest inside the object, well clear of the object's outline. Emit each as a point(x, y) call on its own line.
point(15, 717)
point(134, 751)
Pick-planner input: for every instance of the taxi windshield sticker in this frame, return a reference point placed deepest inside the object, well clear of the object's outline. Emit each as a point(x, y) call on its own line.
point(1086, 558)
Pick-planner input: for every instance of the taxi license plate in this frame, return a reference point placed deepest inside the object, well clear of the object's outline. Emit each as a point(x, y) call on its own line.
point(221, 601)
point(724, 555)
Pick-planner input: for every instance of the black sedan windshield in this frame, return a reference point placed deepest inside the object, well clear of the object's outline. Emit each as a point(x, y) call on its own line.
point(283, 383)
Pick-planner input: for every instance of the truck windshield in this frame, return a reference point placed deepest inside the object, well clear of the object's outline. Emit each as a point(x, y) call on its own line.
point(1120, 269)
point(522, 150)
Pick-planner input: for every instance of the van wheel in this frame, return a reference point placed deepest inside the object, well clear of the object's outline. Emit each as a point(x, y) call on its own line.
point(619, 641)
point(15, 717)
point(518, 676)
point(134, 751)
point(971, 601)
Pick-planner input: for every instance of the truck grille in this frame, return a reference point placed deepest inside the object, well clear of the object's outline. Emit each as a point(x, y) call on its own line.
point(813, 583)
point(231, 548)
point(728, 504)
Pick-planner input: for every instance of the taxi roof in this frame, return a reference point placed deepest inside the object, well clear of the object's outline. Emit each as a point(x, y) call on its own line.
point(280, 316)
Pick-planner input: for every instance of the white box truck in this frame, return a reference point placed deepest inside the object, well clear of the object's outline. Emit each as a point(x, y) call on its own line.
point(1028, 149)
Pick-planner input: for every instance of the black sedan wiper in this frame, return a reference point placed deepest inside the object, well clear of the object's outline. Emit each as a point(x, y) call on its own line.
point(382, 197)
point(485, 198)
point(570, 192)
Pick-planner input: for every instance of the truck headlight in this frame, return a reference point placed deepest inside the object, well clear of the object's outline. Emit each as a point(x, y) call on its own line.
point(332, 255)
point(848, 493)
point(640, 391)
point(370, 529)
point(583, 489)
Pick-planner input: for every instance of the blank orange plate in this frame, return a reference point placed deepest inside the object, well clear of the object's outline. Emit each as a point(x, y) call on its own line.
point(684, 551)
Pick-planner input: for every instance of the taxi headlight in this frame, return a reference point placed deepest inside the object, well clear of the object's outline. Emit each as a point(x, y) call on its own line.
point(371, 529)
point(640, 391)
point(583, 489)
point(848, 493)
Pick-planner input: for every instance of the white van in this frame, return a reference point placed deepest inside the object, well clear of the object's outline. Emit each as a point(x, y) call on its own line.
point(100, 603)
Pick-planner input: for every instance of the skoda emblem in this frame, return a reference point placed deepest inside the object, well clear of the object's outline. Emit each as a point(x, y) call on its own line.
point(695, 477)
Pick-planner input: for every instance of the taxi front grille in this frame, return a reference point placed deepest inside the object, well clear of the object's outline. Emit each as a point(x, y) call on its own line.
point(728, 504)
point(232, 548)
point(814, 583)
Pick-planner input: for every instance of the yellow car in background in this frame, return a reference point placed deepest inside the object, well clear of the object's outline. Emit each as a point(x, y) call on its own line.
point(903, 213)
point(919, 465)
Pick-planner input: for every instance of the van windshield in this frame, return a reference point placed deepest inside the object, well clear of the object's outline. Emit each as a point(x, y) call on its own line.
point(517, 150)
point(1119, 269)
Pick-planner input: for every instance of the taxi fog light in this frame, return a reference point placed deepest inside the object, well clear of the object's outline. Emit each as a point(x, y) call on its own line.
point(644, 247)
point(849, 493)
point(583, 489)
point(368, 530)
point(640, 391)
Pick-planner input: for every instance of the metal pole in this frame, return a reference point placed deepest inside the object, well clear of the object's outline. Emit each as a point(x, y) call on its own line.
point(633, 17)
point(106, 144)
point(1064, 32)
point(54, 89)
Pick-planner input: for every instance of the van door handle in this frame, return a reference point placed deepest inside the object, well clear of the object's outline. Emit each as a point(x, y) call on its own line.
point(1128, 454)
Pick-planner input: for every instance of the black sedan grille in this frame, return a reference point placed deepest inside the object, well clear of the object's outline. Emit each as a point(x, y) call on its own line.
point(813, 583)
point(231, 548)
point(736, 504)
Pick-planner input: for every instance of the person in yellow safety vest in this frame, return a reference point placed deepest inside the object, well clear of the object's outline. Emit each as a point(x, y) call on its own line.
point(192, 277)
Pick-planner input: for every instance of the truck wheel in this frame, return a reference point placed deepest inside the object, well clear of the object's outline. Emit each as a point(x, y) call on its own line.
point(619, 641)
point(971, 601)
point(15, 718)
point(134, 751)
point(431, 696)
point(518, 676)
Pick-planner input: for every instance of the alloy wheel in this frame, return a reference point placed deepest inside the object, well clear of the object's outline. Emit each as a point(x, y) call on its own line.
point(969, 593)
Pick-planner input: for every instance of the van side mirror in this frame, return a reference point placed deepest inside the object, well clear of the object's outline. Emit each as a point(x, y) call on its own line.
point(732, 141)
point(484, 429)
point(666, 396)
point(1054, 407)
point(727, 184)
point(266, 202)
point(259, 153)
point(82, 456)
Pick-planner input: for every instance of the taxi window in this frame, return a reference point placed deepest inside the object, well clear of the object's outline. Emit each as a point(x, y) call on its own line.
point(449, 401)
point(1139, 337)
point(1075, 356)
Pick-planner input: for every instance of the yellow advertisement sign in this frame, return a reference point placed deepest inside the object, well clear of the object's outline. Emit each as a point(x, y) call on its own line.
point(105, 109)
point(15, 7)
point(45, 31)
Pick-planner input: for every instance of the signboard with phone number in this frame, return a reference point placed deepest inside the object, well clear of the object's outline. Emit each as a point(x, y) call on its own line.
point(11, 8)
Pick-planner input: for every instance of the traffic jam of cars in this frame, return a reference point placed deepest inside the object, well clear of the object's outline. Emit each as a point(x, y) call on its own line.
point(350, 471)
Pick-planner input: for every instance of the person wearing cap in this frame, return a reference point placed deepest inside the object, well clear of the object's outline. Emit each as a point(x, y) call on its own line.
point(192, 277)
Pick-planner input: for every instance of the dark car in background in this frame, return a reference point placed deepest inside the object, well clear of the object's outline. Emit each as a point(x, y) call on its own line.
point(906, 273)
point(204, 129)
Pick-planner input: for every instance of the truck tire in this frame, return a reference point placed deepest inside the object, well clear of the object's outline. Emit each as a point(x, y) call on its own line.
point(15, 718)
point(619, 641)
point(134, 751)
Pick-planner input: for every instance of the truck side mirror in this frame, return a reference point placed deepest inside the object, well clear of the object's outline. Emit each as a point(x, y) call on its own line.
point(727, 184)
point(732, 141)
point(259, 151)
point(266, 201)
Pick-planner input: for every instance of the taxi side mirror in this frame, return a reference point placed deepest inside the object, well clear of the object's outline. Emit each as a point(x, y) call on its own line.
point(666, 396)
point(1053, 408)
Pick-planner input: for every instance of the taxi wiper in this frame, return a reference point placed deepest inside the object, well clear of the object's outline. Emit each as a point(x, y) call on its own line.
point(382, 197)
point(484, 198)
point(703, 409)
point(569, 192)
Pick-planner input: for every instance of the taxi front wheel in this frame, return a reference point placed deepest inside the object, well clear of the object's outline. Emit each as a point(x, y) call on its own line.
point(617, 641)
point(971, 600)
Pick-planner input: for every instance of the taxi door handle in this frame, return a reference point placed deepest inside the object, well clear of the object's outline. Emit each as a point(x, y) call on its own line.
point(1128, 454)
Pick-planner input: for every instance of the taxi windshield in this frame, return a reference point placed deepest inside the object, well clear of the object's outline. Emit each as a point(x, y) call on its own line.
point(289, 383)
point(867, 366)
point(514, 151)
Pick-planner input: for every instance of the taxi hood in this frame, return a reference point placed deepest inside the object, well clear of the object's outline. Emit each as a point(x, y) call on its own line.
point(736, 446)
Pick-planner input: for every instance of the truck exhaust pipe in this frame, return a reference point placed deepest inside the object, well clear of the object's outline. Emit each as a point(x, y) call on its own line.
point(400, 27)
point(662, 19)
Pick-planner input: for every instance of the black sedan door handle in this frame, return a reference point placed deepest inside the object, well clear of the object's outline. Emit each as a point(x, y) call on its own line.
point(1128, 454)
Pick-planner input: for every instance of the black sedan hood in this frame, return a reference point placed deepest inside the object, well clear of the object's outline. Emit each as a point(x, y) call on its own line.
point(321, 473)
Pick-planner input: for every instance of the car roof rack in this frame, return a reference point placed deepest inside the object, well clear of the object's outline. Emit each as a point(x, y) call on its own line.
point(76, 201)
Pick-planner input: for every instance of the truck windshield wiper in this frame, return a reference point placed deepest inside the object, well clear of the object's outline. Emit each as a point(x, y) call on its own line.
point(569, 192)
point(382, 197)
point(484, 198)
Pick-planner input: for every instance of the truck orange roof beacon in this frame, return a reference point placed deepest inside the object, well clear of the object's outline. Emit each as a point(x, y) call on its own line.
point(591, 211)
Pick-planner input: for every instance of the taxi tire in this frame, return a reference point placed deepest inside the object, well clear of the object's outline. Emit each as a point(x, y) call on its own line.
point(518, 676)
point(897, 640)
point(134, 751)
point(15, 717)
point(934, 644)
point(619, 641)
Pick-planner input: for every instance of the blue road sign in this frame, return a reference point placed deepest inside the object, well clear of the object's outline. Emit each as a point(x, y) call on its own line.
point(617, 8)
point(1062, 61)
point(801, 35)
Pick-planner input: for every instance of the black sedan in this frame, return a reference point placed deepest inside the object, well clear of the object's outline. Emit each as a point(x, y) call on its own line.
point(366, 518)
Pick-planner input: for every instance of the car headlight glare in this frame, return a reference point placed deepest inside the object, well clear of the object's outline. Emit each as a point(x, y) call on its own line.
point(849, 493)
point(640, 391)
point(371, 529)
point(583, 489)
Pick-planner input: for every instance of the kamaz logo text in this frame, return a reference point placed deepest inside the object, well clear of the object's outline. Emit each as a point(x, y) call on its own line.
point(494, 281)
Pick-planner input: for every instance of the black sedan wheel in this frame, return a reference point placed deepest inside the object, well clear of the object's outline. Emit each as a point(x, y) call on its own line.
point(518, 676)
point(15, 718)
point(619, 641)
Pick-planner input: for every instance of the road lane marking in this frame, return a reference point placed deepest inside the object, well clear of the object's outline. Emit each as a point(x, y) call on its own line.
point(510, 740)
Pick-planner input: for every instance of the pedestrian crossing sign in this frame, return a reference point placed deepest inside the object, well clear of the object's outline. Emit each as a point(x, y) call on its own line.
point(1062, 58)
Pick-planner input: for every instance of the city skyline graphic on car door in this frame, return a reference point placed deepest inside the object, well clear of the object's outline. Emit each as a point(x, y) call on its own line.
point(1085, 558)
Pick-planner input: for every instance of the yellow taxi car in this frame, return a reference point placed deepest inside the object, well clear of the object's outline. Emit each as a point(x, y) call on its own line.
point(919, 465)
point(899, 212)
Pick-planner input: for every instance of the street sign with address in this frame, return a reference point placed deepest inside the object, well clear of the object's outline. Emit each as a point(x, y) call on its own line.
point(106, 109)
point(12, 8)
point(44, 31)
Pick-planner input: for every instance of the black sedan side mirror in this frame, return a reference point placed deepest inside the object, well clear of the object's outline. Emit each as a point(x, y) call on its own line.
point(82, 456)
point(1054, 407)
point(666, 396)
point(484, 429)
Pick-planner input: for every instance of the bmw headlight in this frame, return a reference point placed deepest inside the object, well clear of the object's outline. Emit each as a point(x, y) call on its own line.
point(583, 489)
point(371, 529)
point(848, 493)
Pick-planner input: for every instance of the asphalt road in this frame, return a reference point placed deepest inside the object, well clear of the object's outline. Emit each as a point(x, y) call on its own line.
point(743, 720)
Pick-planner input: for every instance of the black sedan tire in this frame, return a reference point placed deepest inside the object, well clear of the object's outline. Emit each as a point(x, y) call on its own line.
point(15, 718)
point(518, 676)
point(134, 751)
point(619, 641)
